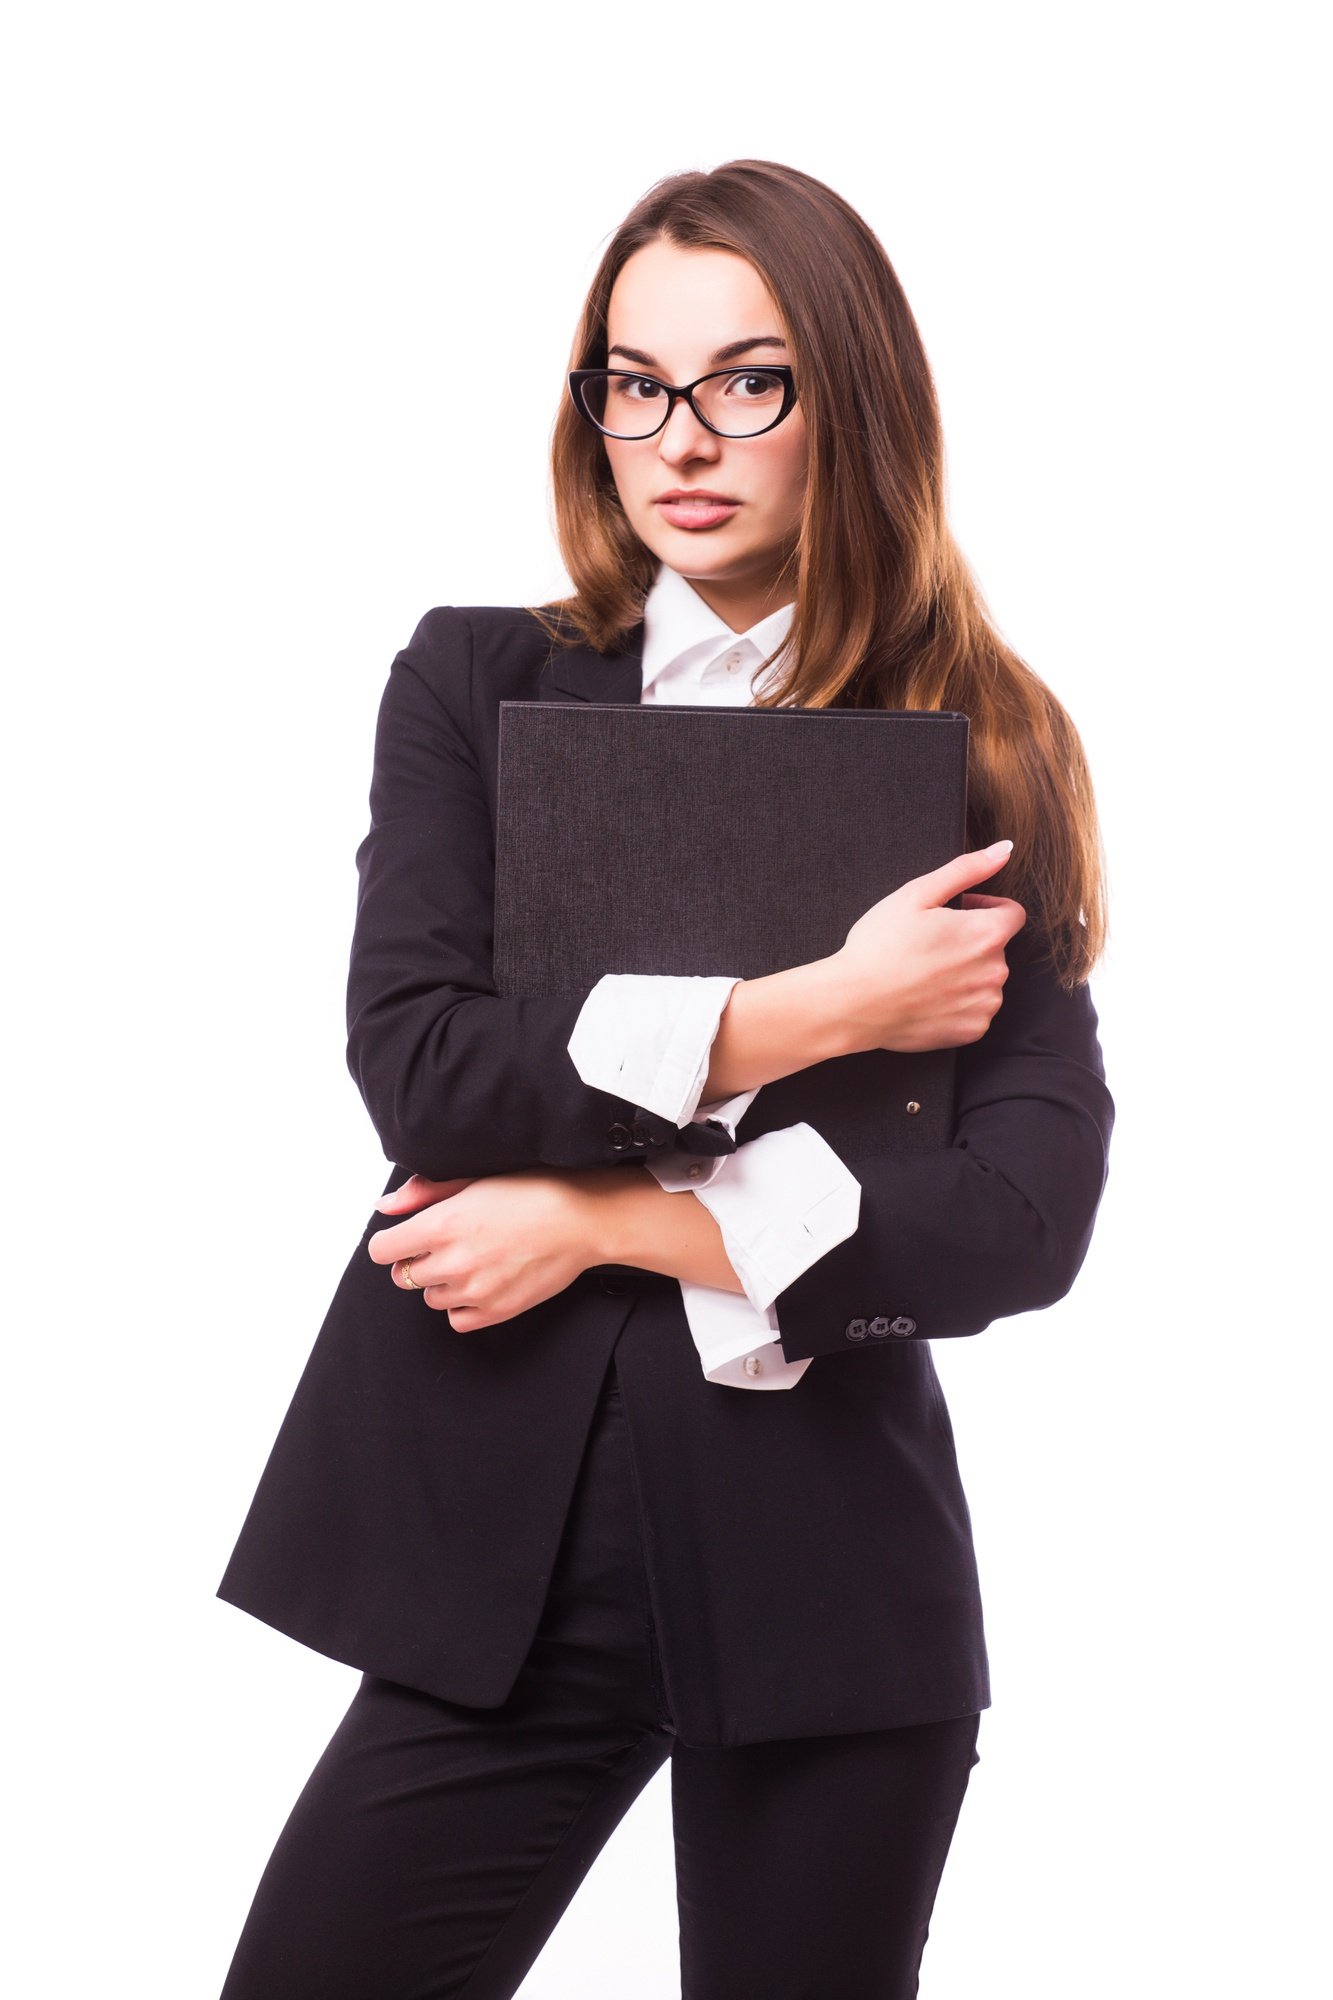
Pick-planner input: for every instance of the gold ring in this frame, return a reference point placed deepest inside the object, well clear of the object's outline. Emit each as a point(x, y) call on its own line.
point(412, 1284)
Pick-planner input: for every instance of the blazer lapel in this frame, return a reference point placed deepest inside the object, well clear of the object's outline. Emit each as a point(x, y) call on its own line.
point(580, 673)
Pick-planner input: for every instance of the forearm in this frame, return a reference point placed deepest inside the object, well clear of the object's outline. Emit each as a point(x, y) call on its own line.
point(996, 1223)
point(628, 1218)
point(775, 1026)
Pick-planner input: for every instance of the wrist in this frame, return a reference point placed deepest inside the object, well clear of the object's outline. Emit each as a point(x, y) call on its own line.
point(602, 1197)
point(632, 1220)
point(851, 1029)
point(828, 986)
point(778, 1024)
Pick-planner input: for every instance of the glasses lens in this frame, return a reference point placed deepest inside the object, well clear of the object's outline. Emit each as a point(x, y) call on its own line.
point(629, 406)
point(742, 401)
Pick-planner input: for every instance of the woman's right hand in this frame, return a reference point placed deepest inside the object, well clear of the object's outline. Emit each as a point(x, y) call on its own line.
point(914, 975)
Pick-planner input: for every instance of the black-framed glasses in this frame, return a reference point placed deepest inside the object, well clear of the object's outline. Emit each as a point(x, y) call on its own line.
point(733, 402)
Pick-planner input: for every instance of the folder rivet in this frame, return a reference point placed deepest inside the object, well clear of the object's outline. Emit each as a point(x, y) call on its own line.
point(914, 1106)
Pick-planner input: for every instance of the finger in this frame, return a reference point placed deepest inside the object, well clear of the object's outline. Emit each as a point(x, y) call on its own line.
point(415, 1192)
point(978, 865)
point(421, 1278)
point(1009, 915)
point(426, 1278)
point(409, 1238)
point(398, 1199)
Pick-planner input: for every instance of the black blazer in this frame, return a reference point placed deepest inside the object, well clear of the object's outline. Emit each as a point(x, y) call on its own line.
point(809, 1551)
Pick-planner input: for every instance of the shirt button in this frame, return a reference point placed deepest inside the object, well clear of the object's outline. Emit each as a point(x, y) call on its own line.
point(693, 1173)
point(753, 1365)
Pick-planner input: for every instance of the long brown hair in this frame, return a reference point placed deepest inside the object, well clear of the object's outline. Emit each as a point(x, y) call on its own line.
point(887, 612)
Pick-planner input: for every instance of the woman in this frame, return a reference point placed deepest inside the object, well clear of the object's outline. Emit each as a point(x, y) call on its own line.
point(559, 1547)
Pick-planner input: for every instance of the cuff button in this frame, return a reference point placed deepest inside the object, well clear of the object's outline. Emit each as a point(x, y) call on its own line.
point(878, 1328)
point(903, 1325)
point(855, 1329)
point(619, 1136)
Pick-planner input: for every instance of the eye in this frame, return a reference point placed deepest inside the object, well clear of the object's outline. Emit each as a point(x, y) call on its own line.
point(753, 385)
point(635, 388)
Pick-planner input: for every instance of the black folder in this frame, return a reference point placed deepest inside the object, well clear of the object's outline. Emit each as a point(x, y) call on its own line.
point(674, 838)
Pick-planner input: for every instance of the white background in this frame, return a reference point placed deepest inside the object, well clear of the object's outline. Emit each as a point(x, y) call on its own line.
point(258, 258)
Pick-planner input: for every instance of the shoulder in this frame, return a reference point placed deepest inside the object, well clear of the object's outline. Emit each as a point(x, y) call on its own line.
point(464, 660)
point(472, 641)
point(447, 683)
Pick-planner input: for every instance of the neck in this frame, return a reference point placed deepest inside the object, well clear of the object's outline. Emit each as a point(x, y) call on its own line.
point(741, 601)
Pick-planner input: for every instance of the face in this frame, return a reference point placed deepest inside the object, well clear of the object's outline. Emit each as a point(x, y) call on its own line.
point(679, 314)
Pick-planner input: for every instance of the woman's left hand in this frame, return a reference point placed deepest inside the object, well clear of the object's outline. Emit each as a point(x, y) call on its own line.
point(483, 1250)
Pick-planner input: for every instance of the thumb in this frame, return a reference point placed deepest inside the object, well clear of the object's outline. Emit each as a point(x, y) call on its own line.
point(965, 870)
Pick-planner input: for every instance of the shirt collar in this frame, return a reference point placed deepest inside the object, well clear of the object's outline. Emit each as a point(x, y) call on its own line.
point(676, 621)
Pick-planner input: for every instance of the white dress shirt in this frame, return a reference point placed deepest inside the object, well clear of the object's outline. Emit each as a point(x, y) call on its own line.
point(781, 1200)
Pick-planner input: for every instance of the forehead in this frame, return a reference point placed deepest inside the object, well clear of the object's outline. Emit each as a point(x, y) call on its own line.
point(676, 304)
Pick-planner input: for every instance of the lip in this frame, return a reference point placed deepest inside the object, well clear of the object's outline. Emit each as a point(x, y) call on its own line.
point(695, 507)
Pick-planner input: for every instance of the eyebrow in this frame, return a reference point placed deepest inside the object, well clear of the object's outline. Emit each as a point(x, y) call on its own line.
point(731, 352)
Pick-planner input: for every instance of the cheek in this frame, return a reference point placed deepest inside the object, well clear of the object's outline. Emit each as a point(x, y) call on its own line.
point(788, 468)
point(627, 472)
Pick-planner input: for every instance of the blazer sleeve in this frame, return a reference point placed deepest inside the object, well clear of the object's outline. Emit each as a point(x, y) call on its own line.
point(997, 1223)
point(459, 1081)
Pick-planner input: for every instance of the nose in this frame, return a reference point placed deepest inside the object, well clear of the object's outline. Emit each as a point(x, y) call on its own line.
point(684, 437)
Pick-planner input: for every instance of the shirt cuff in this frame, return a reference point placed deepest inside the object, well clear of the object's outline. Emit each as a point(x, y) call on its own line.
point(648, 1036)
point(680, 1172)
point(738, 1347)
point(781, 1201)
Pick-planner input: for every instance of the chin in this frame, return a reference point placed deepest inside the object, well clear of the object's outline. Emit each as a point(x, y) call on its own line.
point(705, 553)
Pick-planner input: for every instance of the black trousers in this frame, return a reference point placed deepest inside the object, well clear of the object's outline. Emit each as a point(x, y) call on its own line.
point(435, 1846)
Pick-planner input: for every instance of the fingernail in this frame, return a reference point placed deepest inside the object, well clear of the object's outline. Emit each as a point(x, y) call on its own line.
point(1000, 846)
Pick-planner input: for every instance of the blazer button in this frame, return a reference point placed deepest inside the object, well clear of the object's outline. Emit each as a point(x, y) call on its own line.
point(878, 1328)
point(903, 1325)
point(637, 1133)
point(620, 1137)
point(855, 1329)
